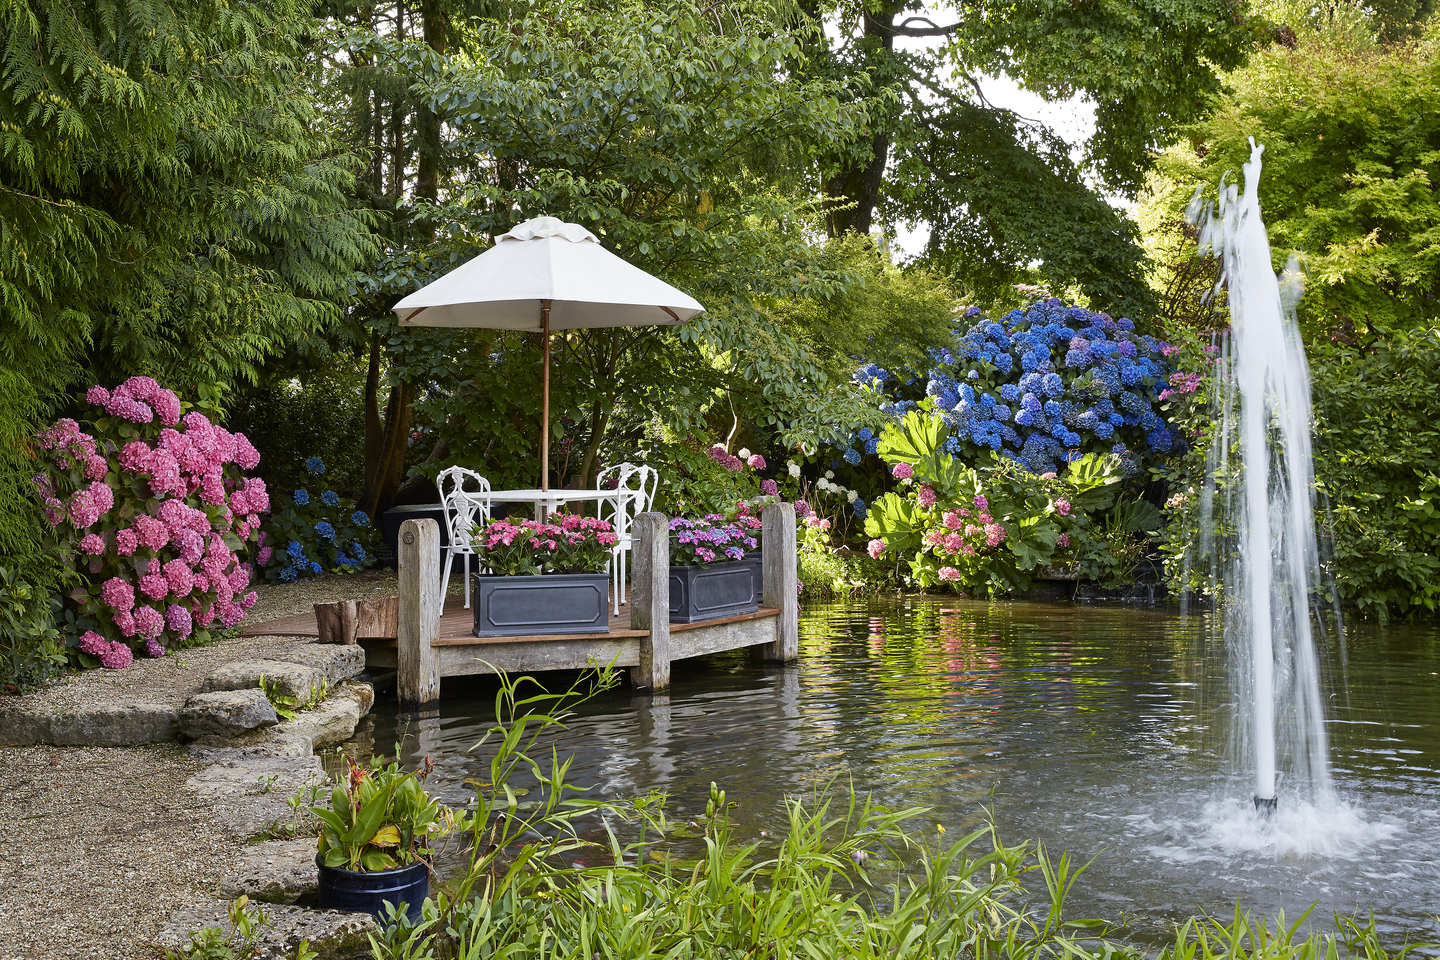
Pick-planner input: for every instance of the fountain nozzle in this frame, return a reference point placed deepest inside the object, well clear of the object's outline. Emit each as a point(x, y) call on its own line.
point(1266, 807)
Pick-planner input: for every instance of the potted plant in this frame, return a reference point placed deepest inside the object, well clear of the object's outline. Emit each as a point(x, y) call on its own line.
point(710, 576)
point(544, 577)
point(375, 839)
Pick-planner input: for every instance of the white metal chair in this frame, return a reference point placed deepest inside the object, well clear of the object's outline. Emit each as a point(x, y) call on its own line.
point(637, 485)
point(466, 502)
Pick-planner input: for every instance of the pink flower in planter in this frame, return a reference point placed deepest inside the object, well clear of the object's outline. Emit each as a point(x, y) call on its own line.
point(116, 657)
point(149, 624)
point(117, 594)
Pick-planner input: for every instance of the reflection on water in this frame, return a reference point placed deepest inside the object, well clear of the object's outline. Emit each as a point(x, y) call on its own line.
point(1103, 731)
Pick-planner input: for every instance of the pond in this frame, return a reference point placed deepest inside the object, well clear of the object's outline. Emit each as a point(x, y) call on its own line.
point(1104, 731)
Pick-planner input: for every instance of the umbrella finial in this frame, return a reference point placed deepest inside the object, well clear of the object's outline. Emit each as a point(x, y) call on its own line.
point(540, 228)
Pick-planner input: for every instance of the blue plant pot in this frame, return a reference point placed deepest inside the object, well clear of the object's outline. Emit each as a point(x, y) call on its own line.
point(540, 605)
point(713, 590)
point(359, 892)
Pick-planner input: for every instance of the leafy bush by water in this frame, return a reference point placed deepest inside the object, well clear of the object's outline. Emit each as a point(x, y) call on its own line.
point(31, 648)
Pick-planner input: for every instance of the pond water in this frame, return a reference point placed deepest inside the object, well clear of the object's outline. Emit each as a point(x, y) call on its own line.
point(1104, 731)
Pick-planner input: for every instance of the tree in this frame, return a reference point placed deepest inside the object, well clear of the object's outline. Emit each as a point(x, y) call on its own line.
point(998, 191)
point(1351, 130)
point(166, 205)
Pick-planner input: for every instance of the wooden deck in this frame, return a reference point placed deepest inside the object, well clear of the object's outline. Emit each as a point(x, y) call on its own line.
point(641, 638)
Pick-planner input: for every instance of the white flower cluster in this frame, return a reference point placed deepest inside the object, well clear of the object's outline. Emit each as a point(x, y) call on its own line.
point(794, 469)
point(826, 485)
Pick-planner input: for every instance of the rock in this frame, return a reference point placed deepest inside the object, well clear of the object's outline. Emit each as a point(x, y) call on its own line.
point(276, 871)
point(285, 678)
point(103, 724)
point(338, 662)
point(252, 795)
point(265, 742)
point(333, 721)
point(332, 934)
point(226, 713)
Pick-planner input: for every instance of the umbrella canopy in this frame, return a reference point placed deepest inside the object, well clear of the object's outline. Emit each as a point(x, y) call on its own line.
point(546, 275)
point(539, 260)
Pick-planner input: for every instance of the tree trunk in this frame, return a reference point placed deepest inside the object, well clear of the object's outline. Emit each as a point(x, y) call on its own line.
point(389, 467)
point(859, 184)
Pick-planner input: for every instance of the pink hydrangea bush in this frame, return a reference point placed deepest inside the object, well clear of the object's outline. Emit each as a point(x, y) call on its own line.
point(154, 508)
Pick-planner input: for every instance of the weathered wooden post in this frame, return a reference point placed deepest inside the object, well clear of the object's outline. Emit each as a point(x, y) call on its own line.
point(650, 599)
point(417, 675)
point(779, 575)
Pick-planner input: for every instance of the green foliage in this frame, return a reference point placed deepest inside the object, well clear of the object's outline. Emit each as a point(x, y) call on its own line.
point(287, 707)
point(828, 574)
point(318, 414)
point(1377, 463)
point(247, 927)
point(380, 817)
point(1352, 136)
point(168, 205)
point(987, 527)
point(31, 648)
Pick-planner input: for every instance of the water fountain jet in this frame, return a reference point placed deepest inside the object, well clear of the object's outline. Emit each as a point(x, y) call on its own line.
point(1260, 486)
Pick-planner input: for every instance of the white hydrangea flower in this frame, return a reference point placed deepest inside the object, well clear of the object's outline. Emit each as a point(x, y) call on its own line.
point(794, 469)
point(829, 474)
point(744, 454)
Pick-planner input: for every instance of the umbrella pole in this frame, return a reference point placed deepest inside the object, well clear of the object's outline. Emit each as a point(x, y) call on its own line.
point(545, 395)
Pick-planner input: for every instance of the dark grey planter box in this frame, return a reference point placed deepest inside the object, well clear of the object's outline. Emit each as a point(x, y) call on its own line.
point(757, 568)
point(535, 606)
point(711, 591)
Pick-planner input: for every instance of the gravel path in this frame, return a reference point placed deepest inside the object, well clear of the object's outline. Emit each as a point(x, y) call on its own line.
point(109, 844)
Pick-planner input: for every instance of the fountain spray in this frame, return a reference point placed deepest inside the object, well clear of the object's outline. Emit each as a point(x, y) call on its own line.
point(1261, 483)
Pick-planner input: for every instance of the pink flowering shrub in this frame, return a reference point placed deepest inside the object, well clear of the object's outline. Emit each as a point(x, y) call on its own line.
point(154, 508)
point(711, 479)
point(988, 527)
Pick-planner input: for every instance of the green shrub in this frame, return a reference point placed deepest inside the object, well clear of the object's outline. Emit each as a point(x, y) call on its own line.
point(1377, 464)
point(31, 648)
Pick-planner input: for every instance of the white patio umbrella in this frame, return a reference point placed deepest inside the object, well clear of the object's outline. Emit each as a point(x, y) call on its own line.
point(546, 275)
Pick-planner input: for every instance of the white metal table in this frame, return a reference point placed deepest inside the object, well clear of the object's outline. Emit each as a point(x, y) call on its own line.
point(548, 501)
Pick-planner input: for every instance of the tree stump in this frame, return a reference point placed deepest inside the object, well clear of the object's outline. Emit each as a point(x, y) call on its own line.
point(345, 620)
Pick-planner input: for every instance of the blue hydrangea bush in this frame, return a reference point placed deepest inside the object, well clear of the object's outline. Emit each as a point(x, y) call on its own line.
point(309, 533)
point(1042, 387)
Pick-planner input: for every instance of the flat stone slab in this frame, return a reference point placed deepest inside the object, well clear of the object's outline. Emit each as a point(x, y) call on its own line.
point(226, 713)
point(332, 934)
point(266, 742)
point(287, 679)
point(250, 794)
point(339, 662)
point(333, 721)
point(275, 871)
point(104, 724)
